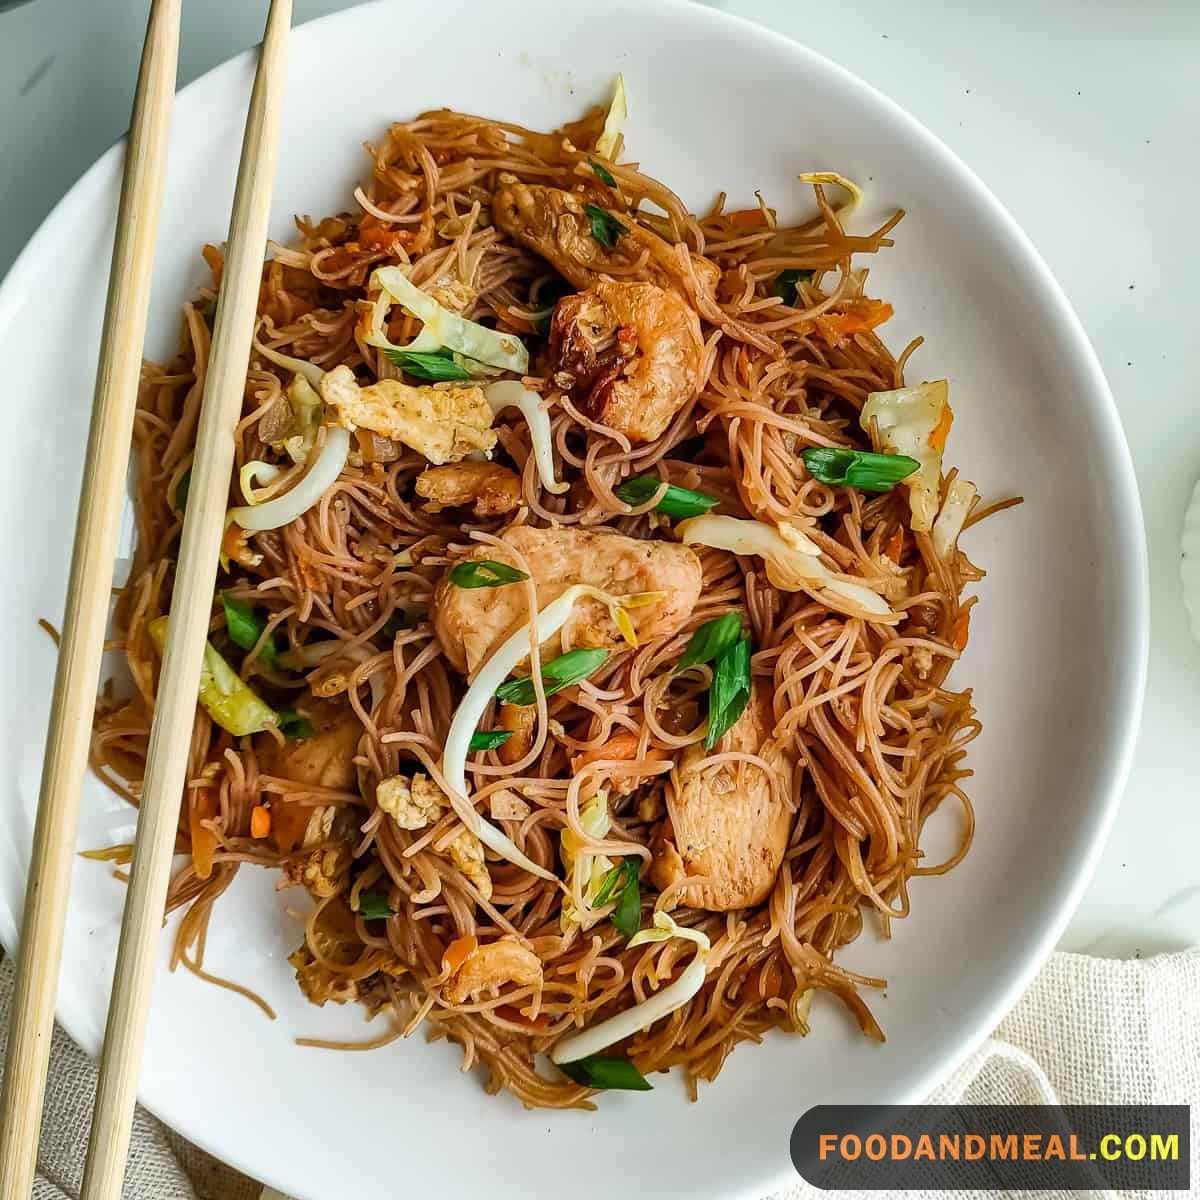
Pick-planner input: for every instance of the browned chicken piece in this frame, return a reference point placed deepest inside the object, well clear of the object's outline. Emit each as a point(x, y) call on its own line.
point(326, 759)
point(629, 353)
point(492, 489)
point(443, 423)
point(727, 822)
point(491, 966)
point(472, 622)
point(520, 720)
point(554, 224)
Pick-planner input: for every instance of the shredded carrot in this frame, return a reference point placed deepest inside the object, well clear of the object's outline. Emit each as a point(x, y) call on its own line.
point(941, 431)
point(203, 807)
point(517, 1017)
point(458, 952)
point(859, 316)
point(895, 545)
point(260, 822)
point(961, 631)
point(621, 745)
point(373, 234)
point(289, 821)
point(748, 218)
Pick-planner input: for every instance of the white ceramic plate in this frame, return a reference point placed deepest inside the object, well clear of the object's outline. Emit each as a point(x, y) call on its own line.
point(1056, 658)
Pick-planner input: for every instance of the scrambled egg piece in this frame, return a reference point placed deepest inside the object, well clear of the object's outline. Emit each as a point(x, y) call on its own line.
point(411, 803)
point(466, 853)
point(445, 424)
point(325, 871)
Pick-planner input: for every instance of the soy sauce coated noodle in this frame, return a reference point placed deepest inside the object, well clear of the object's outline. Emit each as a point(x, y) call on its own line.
point(873, 739)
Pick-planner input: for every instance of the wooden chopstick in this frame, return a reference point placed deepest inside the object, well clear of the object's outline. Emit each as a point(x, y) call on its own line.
point(195, 574)
point(102, 497)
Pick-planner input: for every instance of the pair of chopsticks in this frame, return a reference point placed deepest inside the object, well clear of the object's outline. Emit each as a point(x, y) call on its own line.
point(76, 680)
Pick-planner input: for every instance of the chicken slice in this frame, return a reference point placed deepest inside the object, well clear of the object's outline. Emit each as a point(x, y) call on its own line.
point(630, 354)
point(728, 822)
point(472, 622)
point(326, 758)
point(554, 224)
point(443, 423)
point(492, 489)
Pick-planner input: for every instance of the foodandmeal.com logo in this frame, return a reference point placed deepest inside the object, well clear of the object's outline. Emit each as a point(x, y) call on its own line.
point(994, 1146)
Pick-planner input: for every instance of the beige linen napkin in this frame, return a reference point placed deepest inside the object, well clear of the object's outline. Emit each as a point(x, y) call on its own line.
point(1088, 1031)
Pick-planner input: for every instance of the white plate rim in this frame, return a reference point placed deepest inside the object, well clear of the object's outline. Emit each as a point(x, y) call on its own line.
point(1133, 599)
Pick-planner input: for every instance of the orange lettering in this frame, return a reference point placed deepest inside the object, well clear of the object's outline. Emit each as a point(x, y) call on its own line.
point(1077, 1154)
point(901, 1146)
point(876, 1146)
point(1054, 1148)
point(827, 1145)
point(848, 1141)
point(975, 1145)
point(1004, 1146)
point(1031, 1147)
point(924, 1148)
point(949, 1147)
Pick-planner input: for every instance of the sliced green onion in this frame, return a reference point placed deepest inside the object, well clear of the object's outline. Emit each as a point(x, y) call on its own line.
point(181, 490)
point(602, 173)
point(711, 640)
point(294, 725)
point(438, 366)
point(785, 285)
point(858, 468)
point(245, 628)
point(557, 674)
point(488, 739)
point(730, 690)
point(621, 884)
point(606, 1072)
point(606, 229)
point(675, 501)
point(373, 906)
point(484, 573)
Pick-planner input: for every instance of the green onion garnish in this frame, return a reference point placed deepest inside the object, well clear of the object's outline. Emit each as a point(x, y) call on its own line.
point(245, 628)
point(606, 1071)
point(858, 468)
point(675, 502)
point(729, 692)
point(484, 573)
point(606, 229)
point(181, 490)
point(488, 739)
point(711, 640)
point(436, 366)
point(785, 285)
point(557, 674)
point(603, 173)
point(373, 906)
point(293, 725)
point(621, 883)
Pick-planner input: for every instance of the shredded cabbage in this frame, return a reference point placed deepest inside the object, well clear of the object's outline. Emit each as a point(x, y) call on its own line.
point(960, 495)
point(856, 193)
point(308, 408)
point(791, 558)
point(909, 420)
point(662, 1003)
point(595, 819)
point(442, 328)
point(231, 703)
point(511, 393)
point(607, 144)
point(296, 501)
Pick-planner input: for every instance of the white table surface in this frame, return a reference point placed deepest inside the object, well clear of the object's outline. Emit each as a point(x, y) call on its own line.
point(1083, 116)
